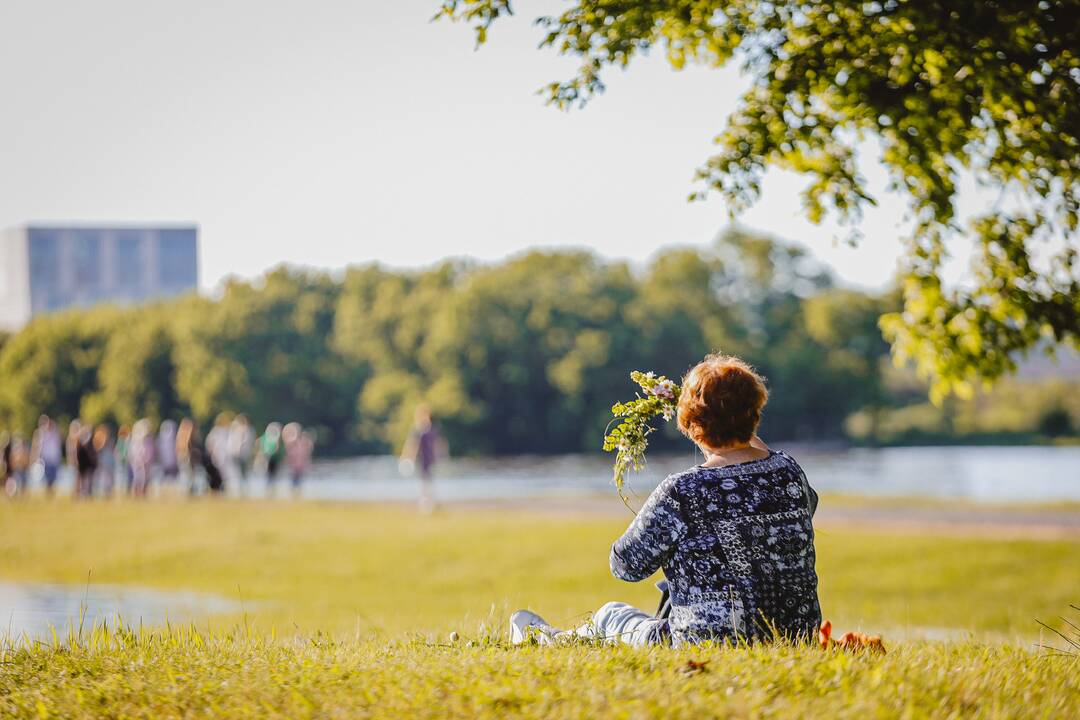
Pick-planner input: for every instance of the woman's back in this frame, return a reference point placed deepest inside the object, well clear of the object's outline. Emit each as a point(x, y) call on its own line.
point(735, 539)
point(737, 546)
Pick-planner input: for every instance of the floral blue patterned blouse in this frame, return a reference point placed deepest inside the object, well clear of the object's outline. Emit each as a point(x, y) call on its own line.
point(737, 546)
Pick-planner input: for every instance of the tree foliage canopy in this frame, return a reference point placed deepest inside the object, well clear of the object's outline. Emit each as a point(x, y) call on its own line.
point(527, 355)
point(988, 88)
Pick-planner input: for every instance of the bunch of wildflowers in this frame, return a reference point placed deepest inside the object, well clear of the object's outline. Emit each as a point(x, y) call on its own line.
point(659, 396)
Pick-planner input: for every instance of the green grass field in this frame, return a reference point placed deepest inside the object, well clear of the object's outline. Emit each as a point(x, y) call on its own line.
point(349, 610)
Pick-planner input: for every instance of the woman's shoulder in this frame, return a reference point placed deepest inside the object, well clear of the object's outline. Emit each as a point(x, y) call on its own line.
point(791, 461)
point(775, 460)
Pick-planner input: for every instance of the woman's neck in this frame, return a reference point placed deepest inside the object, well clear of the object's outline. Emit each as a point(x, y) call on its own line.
point(732, 454)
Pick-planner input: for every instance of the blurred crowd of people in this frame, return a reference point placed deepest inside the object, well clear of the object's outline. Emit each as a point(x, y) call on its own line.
point(132, 459)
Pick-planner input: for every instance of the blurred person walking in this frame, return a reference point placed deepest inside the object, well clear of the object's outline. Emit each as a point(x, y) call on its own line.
point(270, 451)
point(166, 451)
point(241, 449)
point(422, 451)
point(16, 462)
point(47, 449)
point(105, 450)
point(122, 456)
point(189, 451)
point(215, 481)
point(216, 460)
point(71, 451)
point(299, 447)
point(141, 457)
point(5, 457)
point(86, 462)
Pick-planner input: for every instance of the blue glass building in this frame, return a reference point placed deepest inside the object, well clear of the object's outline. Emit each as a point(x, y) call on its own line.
point(44, 268)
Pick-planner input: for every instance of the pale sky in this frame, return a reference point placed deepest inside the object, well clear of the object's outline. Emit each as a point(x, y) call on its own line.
point(333, 132)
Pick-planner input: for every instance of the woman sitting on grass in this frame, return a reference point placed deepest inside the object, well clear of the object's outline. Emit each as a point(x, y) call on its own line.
point(733, 535)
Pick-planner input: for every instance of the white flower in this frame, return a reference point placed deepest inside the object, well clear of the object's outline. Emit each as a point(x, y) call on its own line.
point(664, 389)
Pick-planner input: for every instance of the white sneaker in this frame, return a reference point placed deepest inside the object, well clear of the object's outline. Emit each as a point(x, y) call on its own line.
point(527, 626)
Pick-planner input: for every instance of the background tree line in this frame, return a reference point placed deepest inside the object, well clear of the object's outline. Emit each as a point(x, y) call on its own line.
point(527, 355)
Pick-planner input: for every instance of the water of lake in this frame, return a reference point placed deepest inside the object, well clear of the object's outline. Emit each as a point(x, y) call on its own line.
point(981, 474)
point(35, 609)
point(988, 474)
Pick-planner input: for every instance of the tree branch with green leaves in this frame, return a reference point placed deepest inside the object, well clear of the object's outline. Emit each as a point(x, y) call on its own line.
point(989, 89)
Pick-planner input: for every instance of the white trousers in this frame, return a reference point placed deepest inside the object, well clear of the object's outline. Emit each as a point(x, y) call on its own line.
point(621, 624)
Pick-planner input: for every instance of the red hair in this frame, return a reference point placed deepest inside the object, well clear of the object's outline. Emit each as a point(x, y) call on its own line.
point(721, 401)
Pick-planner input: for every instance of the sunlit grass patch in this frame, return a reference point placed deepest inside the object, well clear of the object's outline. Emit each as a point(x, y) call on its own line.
point(186, 671)
point(381, 571)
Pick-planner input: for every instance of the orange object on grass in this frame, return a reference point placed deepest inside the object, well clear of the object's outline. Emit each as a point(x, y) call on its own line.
point(851, 641)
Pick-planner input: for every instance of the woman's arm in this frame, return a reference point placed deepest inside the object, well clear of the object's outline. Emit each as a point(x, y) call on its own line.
point(409, 449)
point(651, 538)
